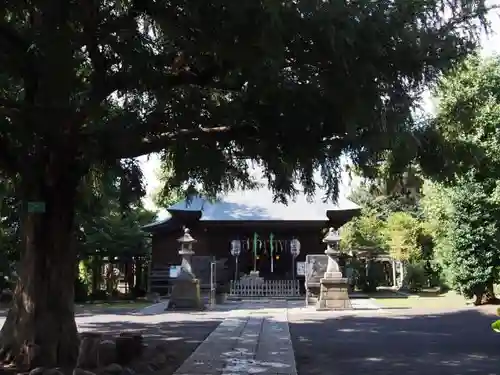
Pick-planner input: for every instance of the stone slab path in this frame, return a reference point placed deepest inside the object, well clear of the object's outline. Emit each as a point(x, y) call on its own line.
point(249, 341)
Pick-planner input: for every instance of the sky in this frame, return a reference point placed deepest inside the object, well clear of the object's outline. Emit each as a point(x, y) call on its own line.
point(490, 45)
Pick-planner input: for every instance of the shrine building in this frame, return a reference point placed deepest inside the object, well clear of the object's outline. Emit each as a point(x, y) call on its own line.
point(264, 229)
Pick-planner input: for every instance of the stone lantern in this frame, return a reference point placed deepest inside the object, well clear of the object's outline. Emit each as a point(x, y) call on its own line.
point(332, 241)
point(186, 252)
point(333, 287)
point(186, 288)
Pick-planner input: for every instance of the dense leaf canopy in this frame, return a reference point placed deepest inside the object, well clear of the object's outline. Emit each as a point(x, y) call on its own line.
point(463, 217)
point(469, 112)
point(108, 219)
point(293, 85)
point(364, 232)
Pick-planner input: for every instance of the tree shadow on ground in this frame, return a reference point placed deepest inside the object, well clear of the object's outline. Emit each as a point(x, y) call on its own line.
point(178, 338)
point(455, 343)
point(177, 335)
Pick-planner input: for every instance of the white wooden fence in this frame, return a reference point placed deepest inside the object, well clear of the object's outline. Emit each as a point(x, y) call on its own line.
point(264, 288)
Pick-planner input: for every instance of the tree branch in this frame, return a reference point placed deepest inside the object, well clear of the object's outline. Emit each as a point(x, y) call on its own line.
point(98, 80)
point(130, 148)
point(466, 18)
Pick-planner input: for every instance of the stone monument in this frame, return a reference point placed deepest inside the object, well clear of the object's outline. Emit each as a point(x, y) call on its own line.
point(333, 286)
point(186, 288)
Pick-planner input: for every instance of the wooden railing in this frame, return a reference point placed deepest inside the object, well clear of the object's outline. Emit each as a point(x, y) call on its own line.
point(264, 288)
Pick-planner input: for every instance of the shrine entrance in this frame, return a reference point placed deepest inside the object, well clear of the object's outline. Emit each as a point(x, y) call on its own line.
point(271, 257)
point(274, 267)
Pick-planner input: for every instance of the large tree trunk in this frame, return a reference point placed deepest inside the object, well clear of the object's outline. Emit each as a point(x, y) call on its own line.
point(40, 328)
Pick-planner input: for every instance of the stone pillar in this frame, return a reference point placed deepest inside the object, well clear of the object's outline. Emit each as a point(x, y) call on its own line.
point(333, 287)
point(401, 274)
point(394, 278)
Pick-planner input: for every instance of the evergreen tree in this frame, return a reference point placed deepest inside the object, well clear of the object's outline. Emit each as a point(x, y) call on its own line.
point(463, 214)
point(293, 85)
point(473, 241)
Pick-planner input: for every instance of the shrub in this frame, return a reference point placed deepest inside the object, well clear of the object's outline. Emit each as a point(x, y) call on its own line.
point(434, 273)
point(369, 283)
point(416, 277)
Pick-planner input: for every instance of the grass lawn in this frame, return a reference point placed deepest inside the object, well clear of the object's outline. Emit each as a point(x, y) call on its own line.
point(427, 299)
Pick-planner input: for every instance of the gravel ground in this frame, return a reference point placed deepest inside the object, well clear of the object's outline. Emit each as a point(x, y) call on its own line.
point(395, 342)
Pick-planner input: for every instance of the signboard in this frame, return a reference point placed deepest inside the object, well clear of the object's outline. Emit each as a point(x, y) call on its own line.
point(36, 207)
point(315, 268)
point(174, 271)
point(301, 268)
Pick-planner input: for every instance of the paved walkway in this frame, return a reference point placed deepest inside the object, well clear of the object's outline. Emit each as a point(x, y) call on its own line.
point(249, 341)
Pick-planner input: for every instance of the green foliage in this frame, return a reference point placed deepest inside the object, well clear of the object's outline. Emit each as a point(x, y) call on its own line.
point(213, 92)
point(473, 237)
point(388, 191)
point(223, 84)
point(108, 220)
point(83, 272)
point(363, 232)
point(363, 280)
point(435, 274)
point(462, 217)
point(437, 209)
point(468, 112)
point(495, 326)
point(416, 276)
point(168, 194)
point(464, 220)
point(116, 234)
point(402, 232)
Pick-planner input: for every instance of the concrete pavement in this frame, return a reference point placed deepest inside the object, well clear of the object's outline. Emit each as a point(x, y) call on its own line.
point(394, 342)
point(249, 341)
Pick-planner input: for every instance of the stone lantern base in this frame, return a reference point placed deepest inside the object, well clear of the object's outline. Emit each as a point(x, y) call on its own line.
point(186, 295)
point(334, 294)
